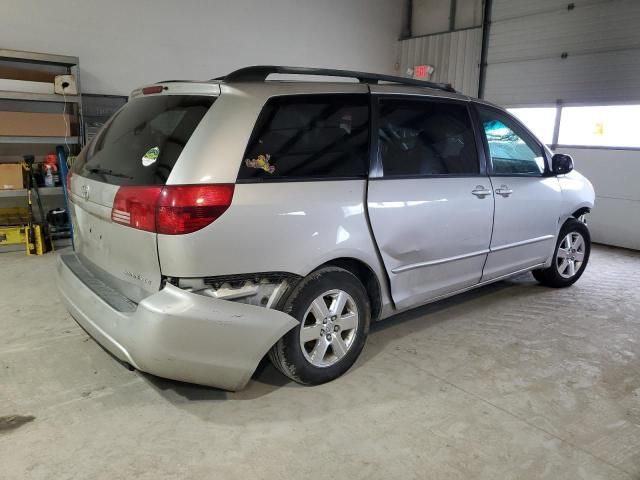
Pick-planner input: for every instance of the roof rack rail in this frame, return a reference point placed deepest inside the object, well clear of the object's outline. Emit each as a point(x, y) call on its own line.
point(259, 73)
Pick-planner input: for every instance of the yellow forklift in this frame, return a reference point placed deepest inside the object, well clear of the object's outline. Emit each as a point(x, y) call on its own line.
point(18, 225)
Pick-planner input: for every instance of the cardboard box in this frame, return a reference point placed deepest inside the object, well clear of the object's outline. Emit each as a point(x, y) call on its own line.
point(11, 177)
point(28, 124)
point(30, 74)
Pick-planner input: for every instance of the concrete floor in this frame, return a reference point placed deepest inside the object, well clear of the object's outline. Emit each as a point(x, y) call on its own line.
point(511, 381)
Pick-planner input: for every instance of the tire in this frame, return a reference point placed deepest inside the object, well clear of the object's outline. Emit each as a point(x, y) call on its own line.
point(329, 349)
point(568, 264)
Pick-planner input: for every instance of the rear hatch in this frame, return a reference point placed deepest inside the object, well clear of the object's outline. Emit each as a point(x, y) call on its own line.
point(116, 183)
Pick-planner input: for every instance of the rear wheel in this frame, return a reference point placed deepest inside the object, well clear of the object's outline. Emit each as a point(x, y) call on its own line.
point(570, 257)
point(333, 309)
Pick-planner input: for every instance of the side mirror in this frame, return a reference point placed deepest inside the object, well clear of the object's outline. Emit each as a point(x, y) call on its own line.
point(561, 164)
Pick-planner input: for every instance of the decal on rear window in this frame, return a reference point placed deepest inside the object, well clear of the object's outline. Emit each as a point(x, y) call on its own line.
point(151, 156)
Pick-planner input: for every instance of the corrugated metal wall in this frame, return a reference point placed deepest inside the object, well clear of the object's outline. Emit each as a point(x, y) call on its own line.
point(454, 55)
point(599, 40)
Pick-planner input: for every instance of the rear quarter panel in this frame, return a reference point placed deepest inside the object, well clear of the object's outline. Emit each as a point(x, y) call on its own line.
point(286, 226)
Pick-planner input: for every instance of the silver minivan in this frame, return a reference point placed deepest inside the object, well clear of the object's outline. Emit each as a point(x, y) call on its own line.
point(217, 222)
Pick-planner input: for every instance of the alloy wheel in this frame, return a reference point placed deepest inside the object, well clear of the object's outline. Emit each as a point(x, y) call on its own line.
point(570, 255)
point(329, 328)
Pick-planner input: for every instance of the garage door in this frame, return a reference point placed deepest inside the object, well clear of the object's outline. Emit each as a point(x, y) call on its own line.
point(548, 50)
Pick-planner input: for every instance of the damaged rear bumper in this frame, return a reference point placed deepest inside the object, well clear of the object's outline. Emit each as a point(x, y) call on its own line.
point(173, 333)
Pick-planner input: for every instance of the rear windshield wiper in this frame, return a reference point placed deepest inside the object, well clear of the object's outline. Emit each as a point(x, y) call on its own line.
point(104, 171)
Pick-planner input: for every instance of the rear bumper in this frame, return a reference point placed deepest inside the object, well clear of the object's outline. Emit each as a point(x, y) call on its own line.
point(173, 333)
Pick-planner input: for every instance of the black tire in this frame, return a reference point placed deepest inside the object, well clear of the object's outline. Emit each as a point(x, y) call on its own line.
point(287, 354)
point(551, 277)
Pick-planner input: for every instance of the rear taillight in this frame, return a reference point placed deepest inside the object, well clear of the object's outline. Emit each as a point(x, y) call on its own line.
point(173, 209)
point(187, 208)
point(136, 207)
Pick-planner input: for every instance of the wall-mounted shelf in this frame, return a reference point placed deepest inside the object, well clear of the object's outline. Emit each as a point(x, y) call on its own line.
point(35, 57)
point(38, 97)
point(41, 140)
point(44, 191)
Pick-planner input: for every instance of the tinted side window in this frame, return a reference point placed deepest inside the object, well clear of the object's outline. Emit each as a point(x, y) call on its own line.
point(426, 138)
point(309, 136)
point(513, 151)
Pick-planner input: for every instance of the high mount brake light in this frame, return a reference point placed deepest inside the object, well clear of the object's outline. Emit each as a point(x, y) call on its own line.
point(172, 209)
point(154, 89)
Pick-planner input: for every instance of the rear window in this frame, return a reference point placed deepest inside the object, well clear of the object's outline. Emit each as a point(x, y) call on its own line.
point(142, 142)
point(309, 137)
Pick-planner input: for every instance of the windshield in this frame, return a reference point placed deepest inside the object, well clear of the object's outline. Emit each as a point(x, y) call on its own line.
point(141, 143)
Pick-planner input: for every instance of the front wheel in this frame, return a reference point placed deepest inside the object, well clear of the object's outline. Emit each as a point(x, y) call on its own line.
point(333, 309)
point(570, 257)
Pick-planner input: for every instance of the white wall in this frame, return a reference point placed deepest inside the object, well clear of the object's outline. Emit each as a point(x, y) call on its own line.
point(123, 44)
point(615, 174)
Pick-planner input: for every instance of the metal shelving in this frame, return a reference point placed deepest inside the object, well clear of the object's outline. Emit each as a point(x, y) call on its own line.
point(70, 64)
point(35, 57)
point(38, 97)
point(17, 146)
point(40, 140)
point(44, 191)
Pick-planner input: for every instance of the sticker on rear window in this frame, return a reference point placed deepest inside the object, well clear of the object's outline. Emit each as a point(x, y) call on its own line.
point(151, 156)
point(262, 162)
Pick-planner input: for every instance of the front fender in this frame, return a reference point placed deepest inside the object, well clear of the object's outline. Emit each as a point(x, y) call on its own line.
point(577, 193)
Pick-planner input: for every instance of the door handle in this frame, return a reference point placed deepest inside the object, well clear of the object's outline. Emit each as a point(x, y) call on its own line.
point(504, 191)
point(480, 191)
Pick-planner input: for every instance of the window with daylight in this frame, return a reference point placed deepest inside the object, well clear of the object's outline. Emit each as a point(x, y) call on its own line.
point(513, 151)
point(540, 120)
point(600, 126)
